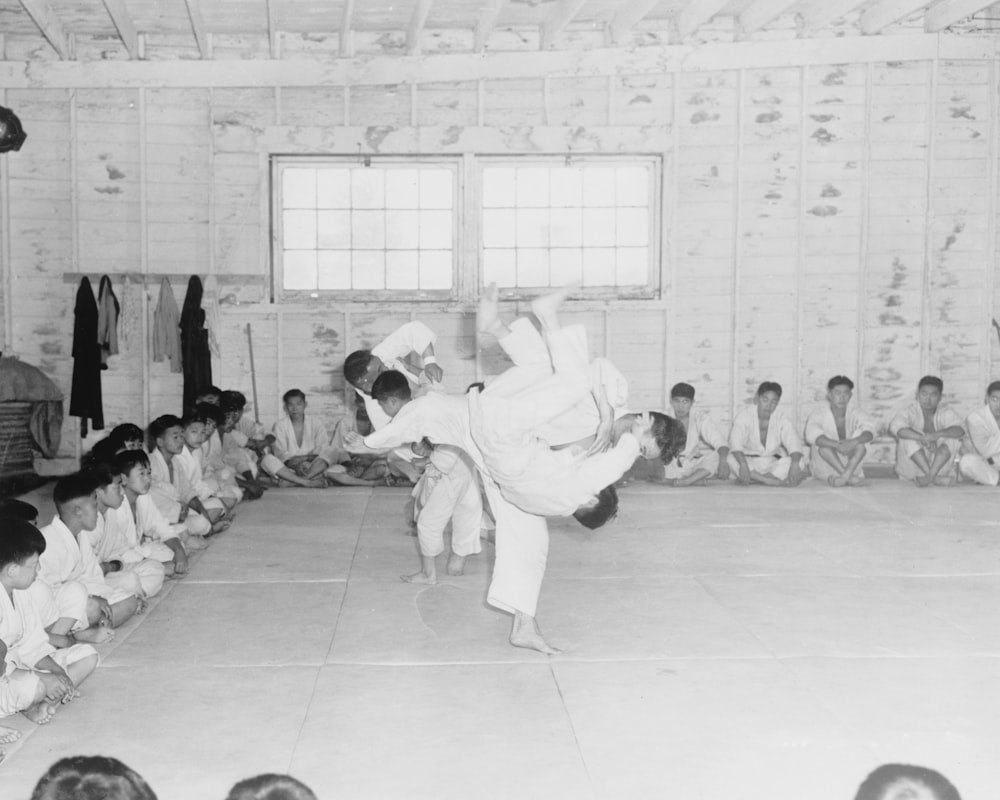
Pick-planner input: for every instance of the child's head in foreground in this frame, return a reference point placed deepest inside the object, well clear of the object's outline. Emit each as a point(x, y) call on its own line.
point(75, 500)
point(133, 466)
point(91, 778)
point(21, 543)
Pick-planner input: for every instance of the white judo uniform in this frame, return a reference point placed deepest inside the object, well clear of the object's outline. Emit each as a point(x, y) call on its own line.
point(700, 449)
point(315, 442)
point(117, 539)
point(821, 422)
point(448, 490)
point(912, 416)
point(21, 629)
point(765, 458)
point(190, 479)
point(215, 472)
point(166, 494)
point(982, 466)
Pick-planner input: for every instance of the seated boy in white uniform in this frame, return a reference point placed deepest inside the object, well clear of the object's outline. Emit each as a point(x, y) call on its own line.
point(706, 450)
point(218, 476)
point(983, 424)
point(35, 677)
point(763, 445)
point(837, 434)
point(300, 442)
point(928, 437)
point(166, 434)
point(189, 474)
point(69, 562)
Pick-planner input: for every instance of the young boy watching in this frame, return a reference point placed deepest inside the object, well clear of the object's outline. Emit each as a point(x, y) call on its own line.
point(192, 485)
point(301, 442)
point(140, 522)
point(220, 478)
point(166, 433)
point(35, 678)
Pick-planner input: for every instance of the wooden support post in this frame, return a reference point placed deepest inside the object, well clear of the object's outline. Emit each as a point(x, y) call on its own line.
point(487, 22)
point(557, 20)
point(930, 262)
point(865, 227)
point(737, 284)
point(118, 12)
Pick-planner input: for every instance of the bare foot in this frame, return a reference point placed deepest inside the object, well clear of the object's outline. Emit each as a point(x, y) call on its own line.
point(220, 526)
point(8, 735)
point(488, 313)
point(456, 564)
point(837, 480)
point(195, 543)
point(945, 480)
point(420, 578)
point(545, 307)
point(857, 480)
point(99, 634)
point(40, 713)
point(922, 481)
point(525, 633)
point(168, 569)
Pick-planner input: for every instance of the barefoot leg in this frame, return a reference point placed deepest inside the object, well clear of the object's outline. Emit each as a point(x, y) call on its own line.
point(8, 735)
point(40, 712)
point(456, 564)
point(488, 313)
point(545, 308)
point(427, 575)
point(525, 633)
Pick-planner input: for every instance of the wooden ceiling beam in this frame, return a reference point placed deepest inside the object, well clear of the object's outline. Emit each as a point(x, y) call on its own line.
point(487, 22)
point(941, 15)
point(882, 14)
point(628, 16)
point(346, 37)
point(695, 14)
point(123, 22)
point(416, 26)
point(814, 15)
point(198, 26)
point(557, 20)
point(50, 26)
point(761, 12)
point(272, 31)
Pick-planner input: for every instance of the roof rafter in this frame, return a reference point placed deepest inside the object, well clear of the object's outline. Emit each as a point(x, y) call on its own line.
point(558, 19)
point(123, 22)
point(628, 16)
point(695, 14)
point(940, 16)
point(815, 15)
point(197, 26)
point(50, 26)
point(346, 37)
point(416, 27)
point(487, 22)
point(885, 12)
point(761, 12)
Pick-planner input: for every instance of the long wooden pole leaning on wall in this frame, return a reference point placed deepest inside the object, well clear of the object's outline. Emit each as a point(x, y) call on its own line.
point(988, 342)
point(74, 210)
point(864, 228)
point(800, 244)
point(671, 177)
point(734, 367)
point(926, 326)
point(144, 253)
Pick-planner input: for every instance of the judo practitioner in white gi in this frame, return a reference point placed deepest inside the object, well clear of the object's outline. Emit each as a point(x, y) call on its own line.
point(35, 677)
point(706, 450)
point(983, 424)
point(837, 434)
point(928, 437)
point(763, 444)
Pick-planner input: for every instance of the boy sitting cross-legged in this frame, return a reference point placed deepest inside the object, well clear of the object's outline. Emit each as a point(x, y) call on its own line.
point(190, 473)
point(139, 522)
point(34, 677)
point(219, 477)
point(166, 434)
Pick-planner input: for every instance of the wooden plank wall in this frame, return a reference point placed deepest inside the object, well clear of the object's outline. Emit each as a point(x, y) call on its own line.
point(816, 220)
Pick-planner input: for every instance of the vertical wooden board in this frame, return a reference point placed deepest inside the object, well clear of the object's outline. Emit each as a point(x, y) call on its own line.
point(508, 103)
point(578, 101)
point(643, 99)
point(380, 105)
point(312, 105)
point(239, 117)
point(448, 103)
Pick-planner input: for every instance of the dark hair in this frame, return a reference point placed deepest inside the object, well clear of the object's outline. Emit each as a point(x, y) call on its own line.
point(209, 411)
point(391, 384)
point(91, 778)
point(161, 425)
point(895, 776)
point(228, 407)
point(233, 396)
point(606, 508)
point(19, 540)
point(931, 380)
point(212, 391)
point(682, 390)
point(993, 387)
point(356, 365)
point(769, 386)
point(670, 436)
point(271, 786)
point(124, 432)
point(12, 507)
point(128, 460)
point(292, 393)
point(100, 475)
point(105, 449)
point(839, 380)
point(198, 414)
point(72, 487)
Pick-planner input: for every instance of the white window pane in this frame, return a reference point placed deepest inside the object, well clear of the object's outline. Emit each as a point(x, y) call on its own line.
point(333, 188)
point(633, 266)
point(401, 269)
point(298, 188)
point(632, 186)
point(435, 230)
point(532, 187)
point(532, 267)
point(368, 230)
point(435, 188)
point(402, 230)
point(566, 227)
point(299, 269)
point(402, 188)
point(599, 186)
point(567, 266)
point(599, 266)
point(298, 230)
point(532, 227)
point(598, 227)
point(435, 269)
point(368, 269)
point(633, 227)
point(368, 188)
point(500, 267)
point(499, 228)
point(334, 229)
point(334, 267)
point(499, 187)
point(567, 187)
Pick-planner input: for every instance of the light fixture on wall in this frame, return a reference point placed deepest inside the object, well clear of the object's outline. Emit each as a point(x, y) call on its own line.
point(12, 135)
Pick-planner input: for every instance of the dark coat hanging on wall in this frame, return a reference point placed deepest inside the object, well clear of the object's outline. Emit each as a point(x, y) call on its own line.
point(85, 396)
point(196, 359)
